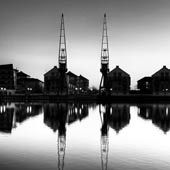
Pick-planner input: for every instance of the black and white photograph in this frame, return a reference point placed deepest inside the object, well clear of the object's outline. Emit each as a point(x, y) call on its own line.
point(84, 84)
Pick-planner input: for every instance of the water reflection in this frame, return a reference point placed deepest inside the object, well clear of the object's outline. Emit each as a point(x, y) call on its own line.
point(116, 116)
point(11, 114)
point(56, 116)
point(6, 118)
point(77, 111)
point(109, 122)
point(158, 113)
point(26, 110)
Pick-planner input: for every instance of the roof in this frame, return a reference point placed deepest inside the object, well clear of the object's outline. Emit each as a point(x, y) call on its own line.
point(31, 79)
point(117, 125)
point(54, 69)
point(71, 74)
point(34, 79)
point(80, 76)
point(145, 79)
point(22, 74)
point(6, 66)
point(163, 69)
point(118, 69)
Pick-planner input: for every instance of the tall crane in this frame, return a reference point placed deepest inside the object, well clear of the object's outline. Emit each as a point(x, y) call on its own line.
point(62, 58)
point(104, 57)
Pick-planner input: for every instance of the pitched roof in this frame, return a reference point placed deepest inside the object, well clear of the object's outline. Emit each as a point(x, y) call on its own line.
point(145, 79)
point(71, 74)
point(163, 69)
point(82, 77)
point(118, 124)
point(32, 79)
point(53, 69)
point(22, 74)
point(118, 69)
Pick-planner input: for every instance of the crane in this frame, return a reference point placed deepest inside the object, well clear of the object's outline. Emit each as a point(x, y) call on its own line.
point(104, 57)
point(62, 59)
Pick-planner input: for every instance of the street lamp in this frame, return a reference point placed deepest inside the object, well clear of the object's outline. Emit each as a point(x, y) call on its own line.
point(3, 90)
point(29, 89)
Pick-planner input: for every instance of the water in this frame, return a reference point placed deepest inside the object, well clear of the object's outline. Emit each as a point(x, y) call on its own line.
point(84, 136)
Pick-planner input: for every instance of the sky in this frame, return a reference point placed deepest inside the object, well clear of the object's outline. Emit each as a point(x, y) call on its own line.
point(138, 34)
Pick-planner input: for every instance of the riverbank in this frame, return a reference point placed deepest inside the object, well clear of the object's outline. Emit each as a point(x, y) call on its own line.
point(132, 98)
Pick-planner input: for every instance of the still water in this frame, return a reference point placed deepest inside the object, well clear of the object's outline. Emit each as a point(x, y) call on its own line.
point(79, 136)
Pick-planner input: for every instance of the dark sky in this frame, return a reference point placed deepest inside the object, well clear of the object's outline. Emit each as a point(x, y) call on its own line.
point(139, 35)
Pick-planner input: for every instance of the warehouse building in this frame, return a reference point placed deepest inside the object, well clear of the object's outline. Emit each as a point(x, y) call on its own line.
point(52, 83)
point(145, 85)
point(161, 81)
point(118, 81)
point(72, 82)
point(8, 79)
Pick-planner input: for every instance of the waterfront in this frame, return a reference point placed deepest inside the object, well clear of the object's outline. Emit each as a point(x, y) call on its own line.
point(84, 136)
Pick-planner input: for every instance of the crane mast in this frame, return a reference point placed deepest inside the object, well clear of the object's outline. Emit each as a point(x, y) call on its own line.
point(104, 57)
point(62, 60)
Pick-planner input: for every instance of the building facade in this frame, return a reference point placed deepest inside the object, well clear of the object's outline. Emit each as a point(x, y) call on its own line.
point(82, 83)
point(118, 81)
point(30, 86)
point(8, 79)
point(77, 84)
point(52, 81)
point(72, 82)
point(161, 81)
point(21, 76)
point(145, 85)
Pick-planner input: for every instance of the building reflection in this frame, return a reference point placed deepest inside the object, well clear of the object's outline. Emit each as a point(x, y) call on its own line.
point(145, 111)
point(158, 113)
point(57, 116)
point(6, 118)
point(116, 116)
point(119, 116)
point(26, 110)
point(93, 105)
point(11, 114)
point(77, 111)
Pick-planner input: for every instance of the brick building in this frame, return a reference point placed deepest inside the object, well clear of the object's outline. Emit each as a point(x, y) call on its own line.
point(118, 81)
